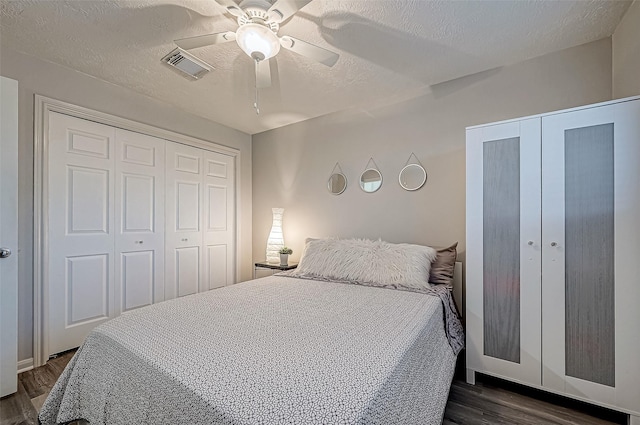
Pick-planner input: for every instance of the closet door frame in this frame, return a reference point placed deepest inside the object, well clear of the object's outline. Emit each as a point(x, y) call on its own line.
point(528, 370)
point(43, 106)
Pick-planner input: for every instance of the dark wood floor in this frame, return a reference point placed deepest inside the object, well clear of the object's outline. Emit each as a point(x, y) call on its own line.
point(33, 386)
point(490, 401)
point(494, 401)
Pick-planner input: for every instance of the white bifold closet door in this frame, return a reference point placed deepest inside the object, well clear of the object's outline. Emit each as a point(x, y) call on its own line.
point(106, 226)
point(200, 240)
point(132, 220)
point(139, 220)
point(81, 229)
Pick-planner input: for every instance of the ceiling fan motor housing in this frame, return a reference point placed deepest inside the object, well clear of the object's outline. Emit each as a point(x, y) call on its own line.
point(257, 11)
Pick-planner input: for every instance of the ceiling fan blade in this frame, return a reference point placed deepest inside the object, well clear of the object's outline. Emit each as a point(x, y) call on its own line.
point(318, 54)
point(263, 74)
point(284, 9)
point(231, 7)
point(205, 40)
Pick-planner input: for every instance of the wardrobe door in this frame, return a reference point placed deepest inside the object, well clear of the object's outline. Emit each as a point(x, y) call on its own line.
point(183, 236)
point(591, 205)
point(219, 223)
point(139, 249)
point(80, 223)
point(503, 251)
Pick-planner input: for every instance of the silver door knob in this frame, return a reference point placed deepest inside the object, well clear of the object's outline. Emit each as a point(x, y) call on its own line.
point(5, 252)
point(530, 243)
point(554, 244)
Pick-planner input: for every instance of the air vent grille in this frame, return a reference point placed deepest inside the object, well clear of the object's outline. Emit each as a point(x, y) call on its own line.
point(187, 63)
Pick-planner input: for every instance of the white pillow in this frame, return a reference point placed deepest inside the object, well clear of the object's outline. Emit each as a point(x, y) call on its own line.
point(376, 263)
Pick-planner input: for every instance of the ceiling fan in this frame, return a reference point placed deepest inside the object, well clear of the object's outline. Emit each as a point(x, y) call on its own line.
point(257, 35)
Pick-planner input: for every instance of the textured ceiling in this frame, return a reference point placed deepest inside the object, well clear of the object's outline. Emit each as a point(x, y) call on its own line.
point(388, 48)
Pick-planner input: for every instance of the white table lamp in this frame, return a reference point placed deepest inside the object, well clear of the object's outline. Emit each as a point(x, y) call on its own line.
point(276, 239)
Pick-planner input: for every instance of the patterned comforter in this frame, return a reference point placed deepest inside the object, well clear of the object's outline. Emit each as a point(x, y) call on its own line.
point(268, 351)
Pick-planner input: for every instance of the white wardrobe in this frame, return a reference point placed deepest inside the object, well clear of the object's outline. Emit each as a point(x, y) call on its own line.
point(132, 220)
point(553, 253)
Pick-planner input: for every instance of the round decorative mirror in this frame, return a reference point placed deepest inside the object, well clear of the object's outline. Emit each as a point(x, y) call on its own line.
point(337, 183)
point(370, 180)
point(412, 177)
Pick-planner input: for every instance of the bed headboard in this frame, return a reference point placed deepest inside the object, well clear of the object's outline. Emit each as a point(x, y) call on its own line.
point(457, 286)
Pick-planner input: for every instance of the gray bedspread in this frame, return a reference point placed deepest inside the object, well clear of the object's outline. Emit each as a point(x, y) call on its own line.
point(452, 325)
point(268, 351)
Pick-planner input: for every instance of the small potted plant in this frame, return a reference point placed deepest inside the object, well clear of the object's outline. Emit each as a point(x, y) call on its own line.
point(284, 255)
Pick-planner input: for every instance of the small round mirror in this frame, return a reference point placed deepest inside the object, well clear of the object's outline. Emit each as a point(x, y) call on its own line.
point(337, 183)
point(370, 180)
point(412, 177)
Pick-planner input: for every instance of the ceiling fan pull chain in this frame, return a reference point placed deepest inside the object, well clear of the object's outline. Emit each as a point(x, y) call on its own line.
point(255, 104)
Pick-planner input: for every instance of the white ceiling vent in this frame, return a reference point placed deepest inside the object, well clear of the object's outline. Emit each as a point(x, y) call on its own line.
point(187, 63)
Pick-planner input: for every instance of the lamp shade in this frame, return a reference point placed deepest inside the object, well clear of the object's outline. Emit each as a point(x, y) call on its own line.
point(258, 41)
point(276, 239)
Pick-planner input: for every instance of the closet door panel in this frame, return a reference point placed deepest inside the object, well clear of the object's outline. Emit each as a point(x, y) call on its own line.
point(187, 206)
point(87, 289)
point(589, 254)
point(187, 270)
point(137, 276)
point(590, 158)
point(501, 248)
point(81, 211)
point(140, 225)
point(219, 222)
point(503, 235)
point(217, 268)
point(183, 237)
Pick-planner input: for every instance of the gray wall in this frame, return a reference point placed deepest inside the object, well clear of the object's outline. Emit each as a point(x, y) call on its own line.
point(626, 54)
point(291, 164)
point(55, 81)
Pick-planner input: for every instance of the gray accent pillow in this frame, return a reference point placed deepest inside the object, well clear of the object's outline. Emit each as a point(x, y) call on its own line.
point(442, 267)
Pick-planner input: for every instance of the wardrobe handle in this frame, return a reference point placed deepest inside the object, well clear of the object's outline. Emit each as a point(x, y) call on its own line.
point(554, 244)
point(530, 243)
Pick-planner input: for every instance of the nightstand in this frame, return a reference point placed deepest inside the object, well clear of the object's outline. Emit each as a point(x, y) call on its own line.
point(272, 267)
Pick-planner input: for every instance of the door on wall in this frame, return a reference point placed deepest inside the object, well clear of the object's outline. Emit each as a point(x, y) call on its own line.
point(200, 230)
point(132, 220)
point(81, 232)
point(106, 226)
point(139, 220)
point(183, 235)
point(8, 235)
point(218, 228)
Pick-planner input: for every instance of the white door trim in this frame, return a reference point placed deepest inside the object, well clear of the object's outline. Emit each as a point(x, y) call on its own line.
point(9, 235)
point(42, 107)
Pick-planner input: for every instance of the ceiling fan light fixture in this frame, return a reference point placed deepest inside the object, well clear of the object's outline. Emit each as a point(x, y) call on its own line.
point(258, 41)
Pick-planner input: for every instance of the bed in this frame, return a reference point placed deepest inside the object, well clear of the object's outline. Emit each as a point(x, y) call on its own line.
point(292, 348)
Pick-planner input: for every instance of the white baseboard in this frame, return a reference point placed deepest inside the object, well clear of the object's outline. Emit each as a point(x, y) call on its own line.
point(25, 365)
